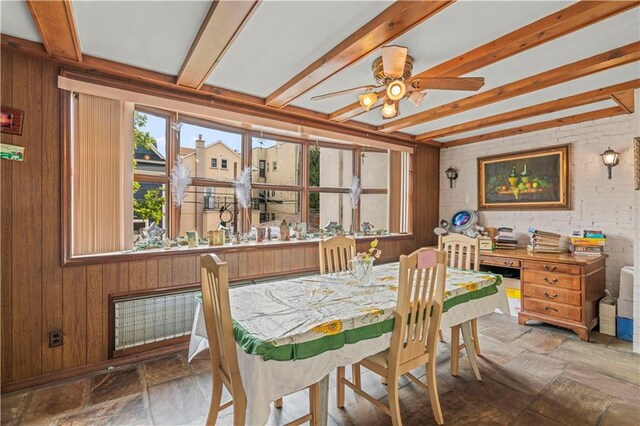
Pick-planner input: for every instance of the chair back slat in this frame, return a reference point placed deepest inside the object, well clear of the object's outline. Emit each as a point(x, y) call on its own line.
point(462, 251)
point(218, 321)
point(335, 254)
point(420, 300)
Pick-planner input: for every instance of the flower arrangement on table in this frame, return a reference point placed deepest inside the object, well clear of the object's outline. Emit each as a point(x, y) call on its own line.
point(372, 253)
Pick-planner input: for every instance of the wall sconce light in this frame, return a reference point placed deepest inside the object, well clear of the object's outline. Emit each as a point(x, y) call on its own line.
point(610, 158)
point(452, 174)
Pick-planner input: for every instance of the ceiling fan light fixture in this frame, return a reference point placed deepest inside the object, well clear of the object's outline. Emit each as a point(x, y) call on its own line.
point(390, 109)
point(396, 90)
point(416, 97)
point(368, 100)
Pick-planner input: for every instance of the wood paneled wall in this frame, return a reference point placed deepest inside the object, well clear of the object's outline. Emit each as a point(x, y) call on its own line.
point(427, 196)
point(39, 295)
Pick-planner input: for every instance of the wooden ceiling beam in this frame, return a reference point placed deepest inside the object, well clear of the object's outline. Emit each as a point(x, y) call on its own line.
point(221, 25)
point(603, 61)
point(625, 99)
point(394, 21)
point(557, 122)
point(57, 27)
point(565, 21)
point(592, 96)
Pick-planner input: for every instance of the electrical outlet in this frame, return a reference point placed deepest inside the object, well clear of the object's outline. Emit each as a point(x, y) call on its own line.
point(55, 338)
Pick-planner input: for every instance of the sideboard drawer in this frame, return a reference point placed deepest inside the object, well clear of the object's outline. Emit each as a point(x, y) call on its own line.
point(558, 310)
point(500, 261)
point(571, 282)
point(552, 294)
point(552, 267)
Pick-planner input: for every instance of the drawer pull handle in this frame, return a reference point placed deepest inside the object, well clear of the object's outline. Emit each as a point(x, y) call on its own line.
point(548, 281)
point(550, 268)
point(553, 296)
point(549, 308)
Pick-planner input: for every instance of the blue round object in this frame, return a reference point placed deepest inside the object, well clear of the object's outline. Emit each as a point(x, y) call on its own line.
point(463, 220)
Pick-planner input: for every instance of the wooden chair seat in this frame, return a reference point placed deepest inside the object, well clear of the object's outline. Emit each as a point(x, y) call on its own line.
point(413, 343)
point(222, 346)
point(463, 253)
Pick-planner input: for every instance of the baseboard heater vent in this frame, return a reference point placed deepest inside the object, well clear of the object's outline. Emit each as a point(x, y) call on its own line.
point(145, 322)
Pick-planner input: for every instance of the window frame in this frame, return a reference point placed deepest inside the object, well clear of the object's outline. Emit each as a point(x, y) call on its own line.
point(172, 152)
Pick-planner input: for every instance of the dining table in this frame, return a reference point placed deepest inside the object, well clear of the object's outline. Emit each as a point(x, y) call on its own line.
point(292, 332)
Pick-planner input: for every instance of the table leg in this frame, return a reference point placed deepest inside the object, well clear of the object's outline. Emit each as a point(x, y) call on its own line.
point(323, 401)
point(469, 347)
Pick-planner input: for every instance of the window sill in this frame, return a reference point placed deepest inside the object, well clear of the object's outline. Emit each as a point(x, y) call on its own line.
point(126, 256)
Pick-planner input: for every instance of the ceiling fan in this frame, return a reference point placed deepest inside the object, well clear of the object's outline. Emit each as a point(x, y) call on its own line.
point(393, 71)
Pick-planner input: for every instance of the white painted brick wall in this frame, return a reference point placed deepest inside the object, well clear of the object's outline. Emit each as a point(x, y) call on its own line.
point(596, 202)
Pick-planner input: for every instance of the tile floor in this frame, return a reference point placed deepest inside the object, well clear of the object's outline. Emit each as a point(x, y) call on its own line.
point(534, 375)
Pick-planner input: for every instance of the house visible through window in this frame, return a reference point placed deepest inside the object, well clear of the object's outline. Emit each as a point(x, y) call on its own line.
point(223, 163)
point(214, 163)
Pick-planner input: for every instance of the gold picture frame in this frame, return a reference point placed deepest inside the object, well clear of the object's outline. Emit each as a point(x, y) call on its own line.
point(636, 161)
point(537, 179)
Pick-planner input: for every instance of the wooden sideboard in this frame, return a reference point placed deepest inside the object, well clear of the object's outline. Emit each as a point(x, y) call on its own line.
point(559, 289)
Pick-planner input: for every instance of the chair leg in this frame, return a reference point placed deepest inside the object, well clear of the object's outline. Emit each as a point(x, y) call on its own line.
point(355, 370)
point(474, 334)
point(440, 336)
point(455, 349)
point(278, 403)
point(216, 397)
point(314, 403)
point(340, 388)
point(433, 392)
point(239, 411)
point(394, 402)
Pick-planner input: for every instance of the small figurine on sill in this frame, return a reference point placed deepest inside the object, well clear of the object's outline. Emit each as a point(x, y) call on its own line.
point(284, 231)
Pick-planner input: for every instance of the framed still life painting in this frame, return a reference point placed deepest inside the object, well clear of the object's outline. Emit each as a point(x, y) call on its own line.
point(526, 180)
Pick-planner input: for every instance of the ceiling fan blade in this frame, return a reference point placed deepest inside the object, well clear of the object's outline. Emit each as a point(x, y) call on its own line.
point(345, 91)
point(448, 83)
point(393, 60)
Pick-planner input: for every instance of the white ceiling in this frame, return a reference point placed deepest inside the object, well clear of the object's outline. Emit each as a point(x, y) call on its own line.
point(149, 34)
point(15, 20)
point(284, 37)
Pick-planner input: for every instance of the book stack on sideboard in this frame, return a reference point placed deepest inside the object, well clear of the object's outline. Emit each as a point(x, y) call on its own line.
point(588, 243)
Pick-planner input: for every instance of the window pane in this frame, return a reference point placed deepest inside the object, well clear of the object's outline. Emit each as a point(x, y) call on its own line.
point(271, 207)
point(375, 170)
point(330, 167)
point(150, 143)
point(275, 162)
point(149, 205)
point(210, 153)
point(329, 207)
point(374, 209)
point(201, 209)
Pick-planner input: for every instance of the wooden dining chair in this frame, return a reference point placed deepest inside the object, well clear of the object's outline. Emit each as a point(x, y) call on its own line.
point(335, 253)
point(414, 336)
point(222, 346)
point(462, 253)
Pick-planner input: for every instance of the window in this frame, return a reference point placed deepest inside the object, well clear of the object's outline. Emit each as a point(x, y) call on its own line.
point(262, 169)
point(277, 169)
point(283, 156)
point(149, 163)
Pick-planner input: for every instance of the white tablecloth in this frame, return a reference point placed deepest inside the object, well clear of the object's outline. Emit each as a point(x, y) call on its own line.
point(265, 381)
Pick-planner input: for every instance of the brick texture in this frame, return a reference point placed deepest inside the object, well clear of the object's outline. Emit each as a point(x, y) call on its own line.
point(596, 202)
